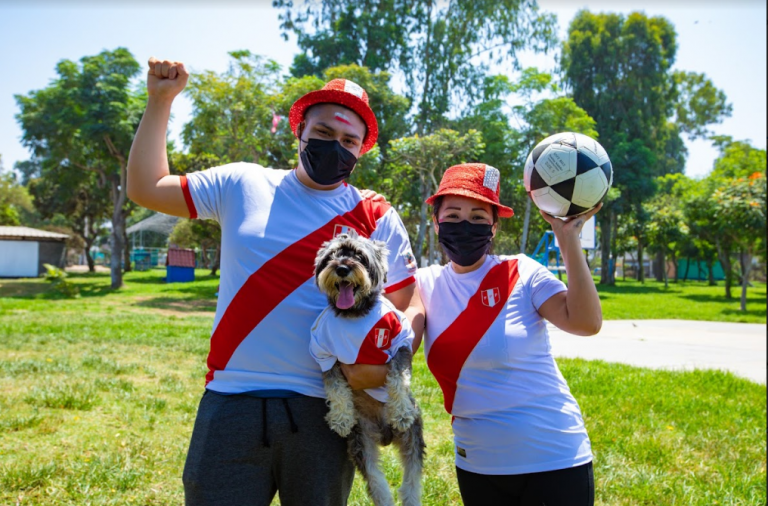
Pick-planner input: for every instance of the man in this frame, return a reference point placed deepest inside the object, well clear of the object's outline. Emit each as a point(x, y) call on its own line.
point(260, 426)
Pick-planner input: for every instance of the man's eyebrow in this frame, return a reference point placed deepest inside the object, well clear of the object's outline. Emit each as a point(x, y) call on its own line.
point(329, 127)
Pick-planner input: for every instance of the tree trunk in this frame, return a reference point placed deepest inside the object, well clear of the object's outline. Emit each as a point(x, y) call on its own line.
point(116, 241)
point(640, 266)
point(432, 253)
point(127, 250)
point(725, 260)
point(688, 267)
point(88, 257)
point(711, 273)
point(661, 271)
point(419, 246)
point(526, 224)
point(216, 260)
point(606, 277)
point(664, 269)
point(746, 268)
point(674, 266)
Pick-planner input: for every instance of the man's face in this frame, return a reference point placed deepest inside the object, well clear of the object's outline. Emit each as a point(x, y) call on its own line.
point(333, 122)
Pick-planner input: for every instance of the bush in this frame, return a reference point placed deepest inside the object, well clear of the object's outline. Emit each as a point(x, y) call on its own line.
point(58, 278)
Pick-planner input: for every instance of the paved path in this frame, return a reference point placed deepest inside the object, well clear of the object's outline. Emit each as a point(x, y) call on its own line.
point(672, 344)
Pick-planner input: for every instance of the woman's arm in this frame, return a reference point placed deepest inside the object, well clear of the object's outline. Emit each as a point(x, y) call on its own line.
point(576, 310)
point(417, 315)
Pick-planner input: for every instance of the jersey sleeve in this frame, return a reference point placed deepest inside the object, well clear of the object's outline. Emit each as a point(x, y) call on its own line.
point(542, 283)
point(404, 338)
point(402, 263)
point(318, 348)
point(207, 190)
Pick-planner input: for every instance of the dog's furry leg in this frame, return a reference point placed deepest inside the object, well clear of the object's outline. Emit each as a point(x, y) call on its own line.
point(401, 410)
point(364, 452)
point(341, 415)
point(412, 449)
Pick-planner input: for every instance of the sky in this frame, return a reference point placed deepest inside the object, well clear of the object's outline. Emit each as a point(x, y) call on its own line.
point(724, 40)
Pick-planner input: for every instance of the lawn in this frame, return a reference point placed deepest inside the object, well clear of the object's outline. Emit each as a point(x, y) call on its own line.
point(99, 395)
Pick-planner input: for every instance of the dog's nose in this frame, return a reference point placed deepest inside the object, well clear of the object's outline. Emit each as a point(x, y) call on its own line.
point(342, 271)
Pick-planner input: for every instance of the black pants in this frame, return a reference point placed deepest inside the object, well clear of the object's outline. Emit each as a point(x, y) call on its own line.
point(566, 487)
point(244, 450)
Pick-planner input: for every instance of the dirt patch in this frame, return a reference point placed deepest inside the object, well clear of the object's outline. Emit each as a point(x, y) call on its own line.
point(84, 268)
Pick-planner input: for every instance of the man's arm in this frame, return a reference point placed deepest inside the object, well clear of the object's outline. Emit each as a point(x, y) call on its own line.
point(362, 376)
point(149, 181)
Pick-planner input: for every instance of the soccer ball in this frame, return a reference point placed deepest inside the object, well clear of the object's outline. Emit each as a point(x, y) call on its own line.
point(567, 174)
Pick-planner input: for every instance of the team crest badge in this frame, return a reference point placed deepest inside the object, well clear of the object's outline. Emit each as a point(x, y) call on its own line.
point(490, 297)
point(382, 338)
point(342, 229)
point(410, 261)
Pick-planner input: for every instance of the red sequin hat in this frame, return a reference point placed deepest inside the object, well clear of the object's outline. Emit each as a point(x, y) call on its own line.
point(476, 181)
point(342, 92)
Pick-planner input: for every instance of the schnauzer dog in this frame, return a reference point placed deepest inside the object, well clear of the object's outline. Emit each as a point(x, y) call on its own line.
point(351, 271)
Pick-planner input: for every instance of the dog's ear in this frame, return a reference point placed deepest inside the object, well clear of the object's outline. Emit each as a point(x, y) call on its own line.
point(322, 258)
point(382, 253)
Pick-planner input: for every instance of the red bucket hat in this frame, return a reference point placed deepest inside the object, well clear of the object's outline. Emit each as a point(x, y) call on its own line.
point(342, 92)
point(476, 181)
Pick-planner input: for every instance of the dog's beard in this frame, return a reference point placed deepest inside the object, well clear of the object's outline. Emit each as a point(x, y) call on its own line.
point(345, 292)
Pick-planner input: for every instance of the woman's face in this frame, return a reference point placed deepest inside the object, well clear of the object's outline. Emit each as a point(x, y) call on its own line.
point(455, 208)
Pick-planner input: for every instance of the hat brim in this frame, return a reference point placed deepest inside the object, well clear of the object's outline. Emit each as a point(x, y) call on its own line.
point(344, 99)
point(504, 211)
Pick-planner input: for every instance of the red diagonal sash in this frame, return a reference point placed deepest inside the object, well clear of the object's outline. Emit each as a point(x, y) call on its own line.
point(451, 348)
point(278, 278)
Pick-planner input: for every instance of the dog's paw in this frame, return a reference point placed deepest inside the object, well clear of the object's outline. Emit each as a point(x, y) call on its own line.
point(340, 424)
point(401, 416)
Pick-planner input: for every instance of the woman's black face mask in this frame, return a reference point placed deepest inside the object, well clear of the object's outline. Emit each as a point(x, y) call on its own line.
point(327, 162)
point(465, 243)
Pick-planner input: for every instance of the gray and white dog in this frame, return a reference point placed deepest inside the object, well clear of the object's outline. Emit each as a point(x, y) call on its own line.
point(351, 271)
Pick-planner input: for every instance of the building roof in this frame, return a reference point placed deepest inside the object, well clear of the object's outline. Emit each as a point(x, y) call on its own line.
point(26, 233)
point(178, 257)
point(158, 222)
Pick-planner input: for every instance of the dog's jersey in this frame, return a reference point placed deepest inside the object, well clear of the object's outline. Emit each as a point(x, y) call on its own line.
point(489, 350)
point(371, 339)
point(271, 229)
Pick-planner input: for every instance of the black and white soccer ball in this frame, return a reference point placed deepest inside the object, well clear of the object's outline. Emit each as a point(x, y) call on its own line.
point(567, 174)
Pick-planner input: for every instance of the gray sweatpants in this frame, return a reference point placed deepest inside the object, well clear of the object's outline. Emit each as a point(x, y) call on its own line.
point(246, 449)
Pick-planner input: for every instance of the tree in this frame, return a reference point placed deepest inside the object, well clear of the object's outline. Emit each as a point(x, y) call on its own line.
point(541, 119)
point(619, 70)
point(443, 50)
point(75, 199)
point(424, 159)
point(232, 111)
point(740, 207)
point(666, 227)
point(14, 199)
point(85, 120)
point(737, 164)
point(203, 234)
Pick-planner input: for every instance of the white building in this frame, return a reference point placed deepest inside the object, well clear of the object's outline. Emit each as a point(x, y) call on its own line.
point(23, 251)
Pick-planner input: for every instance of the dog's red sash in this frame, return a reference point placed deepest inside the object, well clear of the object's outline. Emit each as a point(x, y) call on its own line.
point(451, 348)
point(278, 278)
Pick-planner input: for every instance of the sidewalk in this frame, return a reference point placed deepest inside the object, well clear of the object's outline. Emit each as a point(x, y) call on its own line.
point(672, 344)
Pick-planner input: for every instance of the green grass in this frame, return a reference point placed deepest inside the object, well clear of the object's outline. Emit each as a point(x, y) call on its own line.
point(684, 300)
point(99, 396)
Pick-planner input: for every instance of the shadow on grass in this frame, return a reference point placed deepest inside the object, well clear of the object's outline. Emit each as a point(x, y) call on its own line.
point(180, 304)
point(638, 289)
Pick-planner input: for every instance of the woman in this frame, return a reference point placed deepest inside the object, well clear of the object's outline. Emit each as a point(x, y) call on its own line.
point(519, 435)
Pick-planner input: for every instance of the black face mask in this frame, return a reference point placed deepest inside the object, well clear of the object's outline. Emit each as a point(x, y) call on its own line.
point(327, 162)
point(465, 243)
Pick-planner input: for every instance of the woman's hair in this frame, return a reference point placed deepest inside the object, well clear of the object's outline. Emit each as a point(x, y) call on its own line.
point(439, 202)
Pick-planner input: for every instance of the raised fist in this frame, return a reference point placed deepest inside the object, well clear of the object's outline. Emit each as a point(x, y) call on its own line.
point(166, 78)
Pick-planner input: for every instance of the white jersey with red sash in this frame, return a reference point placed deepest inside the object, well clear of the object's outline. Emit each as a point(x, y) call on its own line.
point(370, 339)
point(272, 226)
point(489, 350)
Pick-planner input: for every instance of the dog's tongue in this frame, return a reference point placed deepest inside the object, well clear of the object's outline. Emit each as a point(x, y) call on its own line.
point(346, 297)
